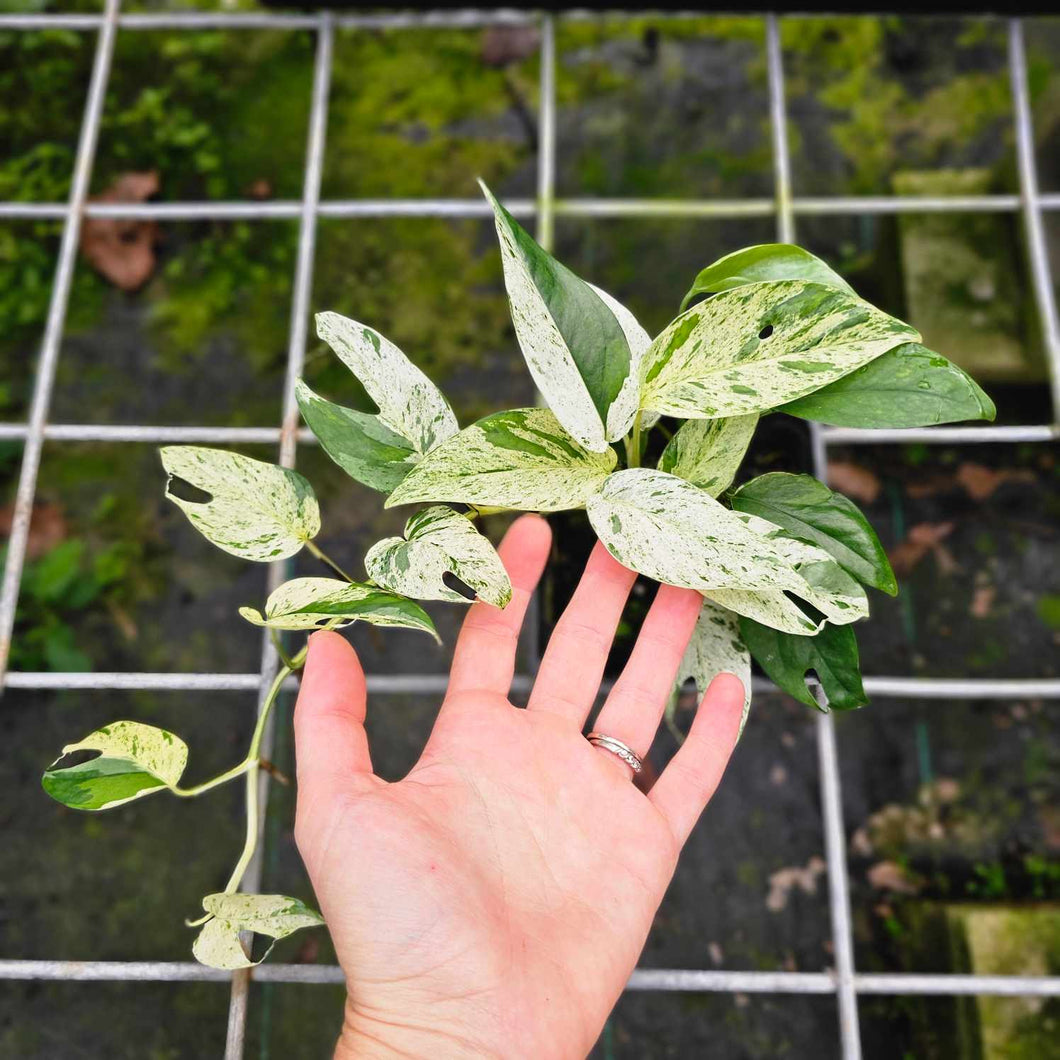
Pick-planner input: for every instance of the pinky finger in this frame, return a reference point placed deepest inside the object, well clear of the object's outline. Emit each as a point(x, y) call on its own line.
point(688, 782)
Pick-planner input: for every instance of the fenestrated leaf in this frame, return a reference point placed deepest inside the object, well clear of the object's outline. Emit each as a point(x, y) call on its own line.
point(305, 603)
point(134, 760)
point(809, 510)
point(439, 541)
point(521, 459)
point(708, 453)
point(716, 648)
point(255, 510)
point(409, 403)
point(769, 606)
point(909, 386)
point(218, 944)
point(360, 443)
point(667, 529)
point(761, 264)
point(576, 348)
point(832, 654)
point(761, 345)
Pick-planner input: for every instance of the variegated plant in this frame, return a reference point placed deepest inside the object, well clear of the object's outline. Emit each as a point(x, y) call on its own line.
point(782, 562)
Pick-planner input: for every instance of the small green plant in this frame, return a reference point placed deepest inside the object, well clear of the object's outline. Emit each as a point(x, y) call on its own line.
point(782, 562)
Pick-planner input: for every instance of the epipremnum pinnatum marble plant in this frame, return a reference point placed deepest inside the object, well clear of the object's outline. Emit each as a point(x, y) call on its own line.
point(782, 562)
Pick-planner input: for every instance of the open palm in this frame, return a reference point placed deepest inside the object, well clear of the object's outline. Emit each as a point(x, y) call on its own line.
point(495, 901)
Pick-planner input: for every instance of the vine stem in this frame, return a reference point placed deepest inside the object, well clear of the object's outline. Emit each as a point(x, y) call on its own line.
point(326, 559)
point(253, 766)
point(633, 443)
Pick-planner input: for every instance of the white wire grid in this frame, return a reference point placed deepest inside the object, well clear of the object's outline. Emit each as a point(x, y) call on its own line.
point(843, 981)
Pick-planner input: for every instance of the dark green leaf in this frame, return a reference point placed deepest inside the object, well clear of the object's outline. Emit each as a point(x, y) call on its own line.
point(809, 510)
point(909, 386)
point(786, 658)
point(768, 261)
point(360, 443)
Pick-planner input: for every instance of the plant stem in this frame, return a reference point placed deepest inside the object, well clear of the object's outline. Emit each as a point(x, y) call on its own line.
point(633, 443)
point(222, 778)
point(278, 645)
point(326, 559)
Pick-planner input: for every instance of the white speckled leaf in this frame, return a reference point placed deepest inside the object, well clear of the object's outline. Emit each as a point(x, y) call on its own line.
point(306, 603)
point(763, 344)
point(218, 944)
point(624, 408)
point(716, 647)
point(134, 760)
point(667, 529)
point(256, 511)
point(409, 403)
point(768, 606)
point(521, 459)
point(575, 345)
point(708, 453)
point(439, 541)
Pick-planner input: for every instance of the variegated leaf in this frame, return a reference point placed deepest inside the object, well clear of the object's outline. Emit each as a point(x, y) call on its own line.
point(771, 607)
point(716, 648)
point(218, 944)
point(306, 603)
point(439, 541)
point(360, 443)
point(576, 347)
point(667, 529)
point(409, 403)
point(520, 459)
point(708, 453)
point(624, 408)
point(760, 345)
point(134, 760)
point(255, 510)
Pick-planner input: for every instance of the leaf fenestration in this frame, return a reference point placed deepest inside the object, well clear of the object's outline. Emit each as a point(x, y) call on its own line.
point(134, 760)
point(437, 541)
point(761, 345)
point(255, 510)
point(218, 944)
point(521, 459)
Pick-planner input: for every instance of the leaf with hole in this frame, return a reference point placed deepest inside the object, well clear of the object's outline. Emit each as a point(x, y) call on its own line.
point(251, 509)
point(832, 654)
point(759, 346)
point(360, 443)
point(218, 944)
point(311, 603)
point(409, 404)
point(909, 386)
point(133, 760)
point(807, 509)
point(437, 542)
point(578, 342)
point(763, 263)
point(708, 453)
point(520, 459)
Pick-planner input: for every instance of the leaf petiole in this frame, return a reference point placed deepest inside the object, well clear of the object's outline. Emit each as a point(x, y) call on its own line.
point(326, 559)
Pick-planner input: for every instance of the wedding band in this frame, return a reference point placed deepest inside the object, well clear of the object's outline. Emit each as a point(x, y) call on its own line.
point(617, 747)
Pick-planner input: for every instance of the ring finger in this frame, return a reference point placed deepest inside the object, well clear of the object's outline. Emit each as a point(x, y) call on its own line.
point(635, 705)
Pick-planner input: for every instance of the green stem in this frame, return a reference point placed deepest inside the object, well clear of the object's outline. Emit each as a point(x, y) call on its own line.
point(633, 443)
point(326, 559)
point(222, 778)
point(278, 645)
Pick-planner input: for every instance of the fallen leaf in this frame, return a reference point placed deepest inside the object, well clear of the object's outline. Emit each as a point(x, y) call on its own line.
point(854, 480)
point(123, 250)
point(983, 600)
point(922, 539)
point(889, 876)
point(783, 881)
point(47, 528)
point(981, 482)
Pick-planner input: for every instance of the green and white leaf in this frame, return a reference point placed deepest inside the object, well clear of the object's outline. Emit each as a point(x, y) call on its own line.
point(360, 443)
point(218, 944)
point(832, 655)
point(708, 453)
point(807, 509)
point(256, 511)
point(671, 531)
point(712, 362)
point(909, 386)
point(438, 541)
point(768, 606)
point(520, 459)
point(574, 345)
point(716, 648)
point(409, 403)
point(624, 408)
point(134, 760)
point(308, 603)
point(761, 264)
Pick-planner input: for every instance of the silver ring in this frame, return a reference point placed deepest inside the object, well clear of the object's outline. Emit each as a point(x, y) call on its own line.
point(617, 747)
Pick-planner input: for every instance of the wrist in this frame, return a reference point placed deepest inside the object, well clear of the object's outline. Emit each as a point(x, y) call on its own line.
point(370, 1037)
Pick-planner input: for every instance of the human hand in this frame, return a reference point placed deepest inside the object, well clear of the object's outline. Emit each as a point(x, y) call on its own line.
point(494, 902)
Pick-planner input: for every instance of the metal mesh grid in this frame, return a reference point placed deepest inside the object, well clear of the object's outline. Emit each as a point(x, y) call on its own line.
point(844, 981)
